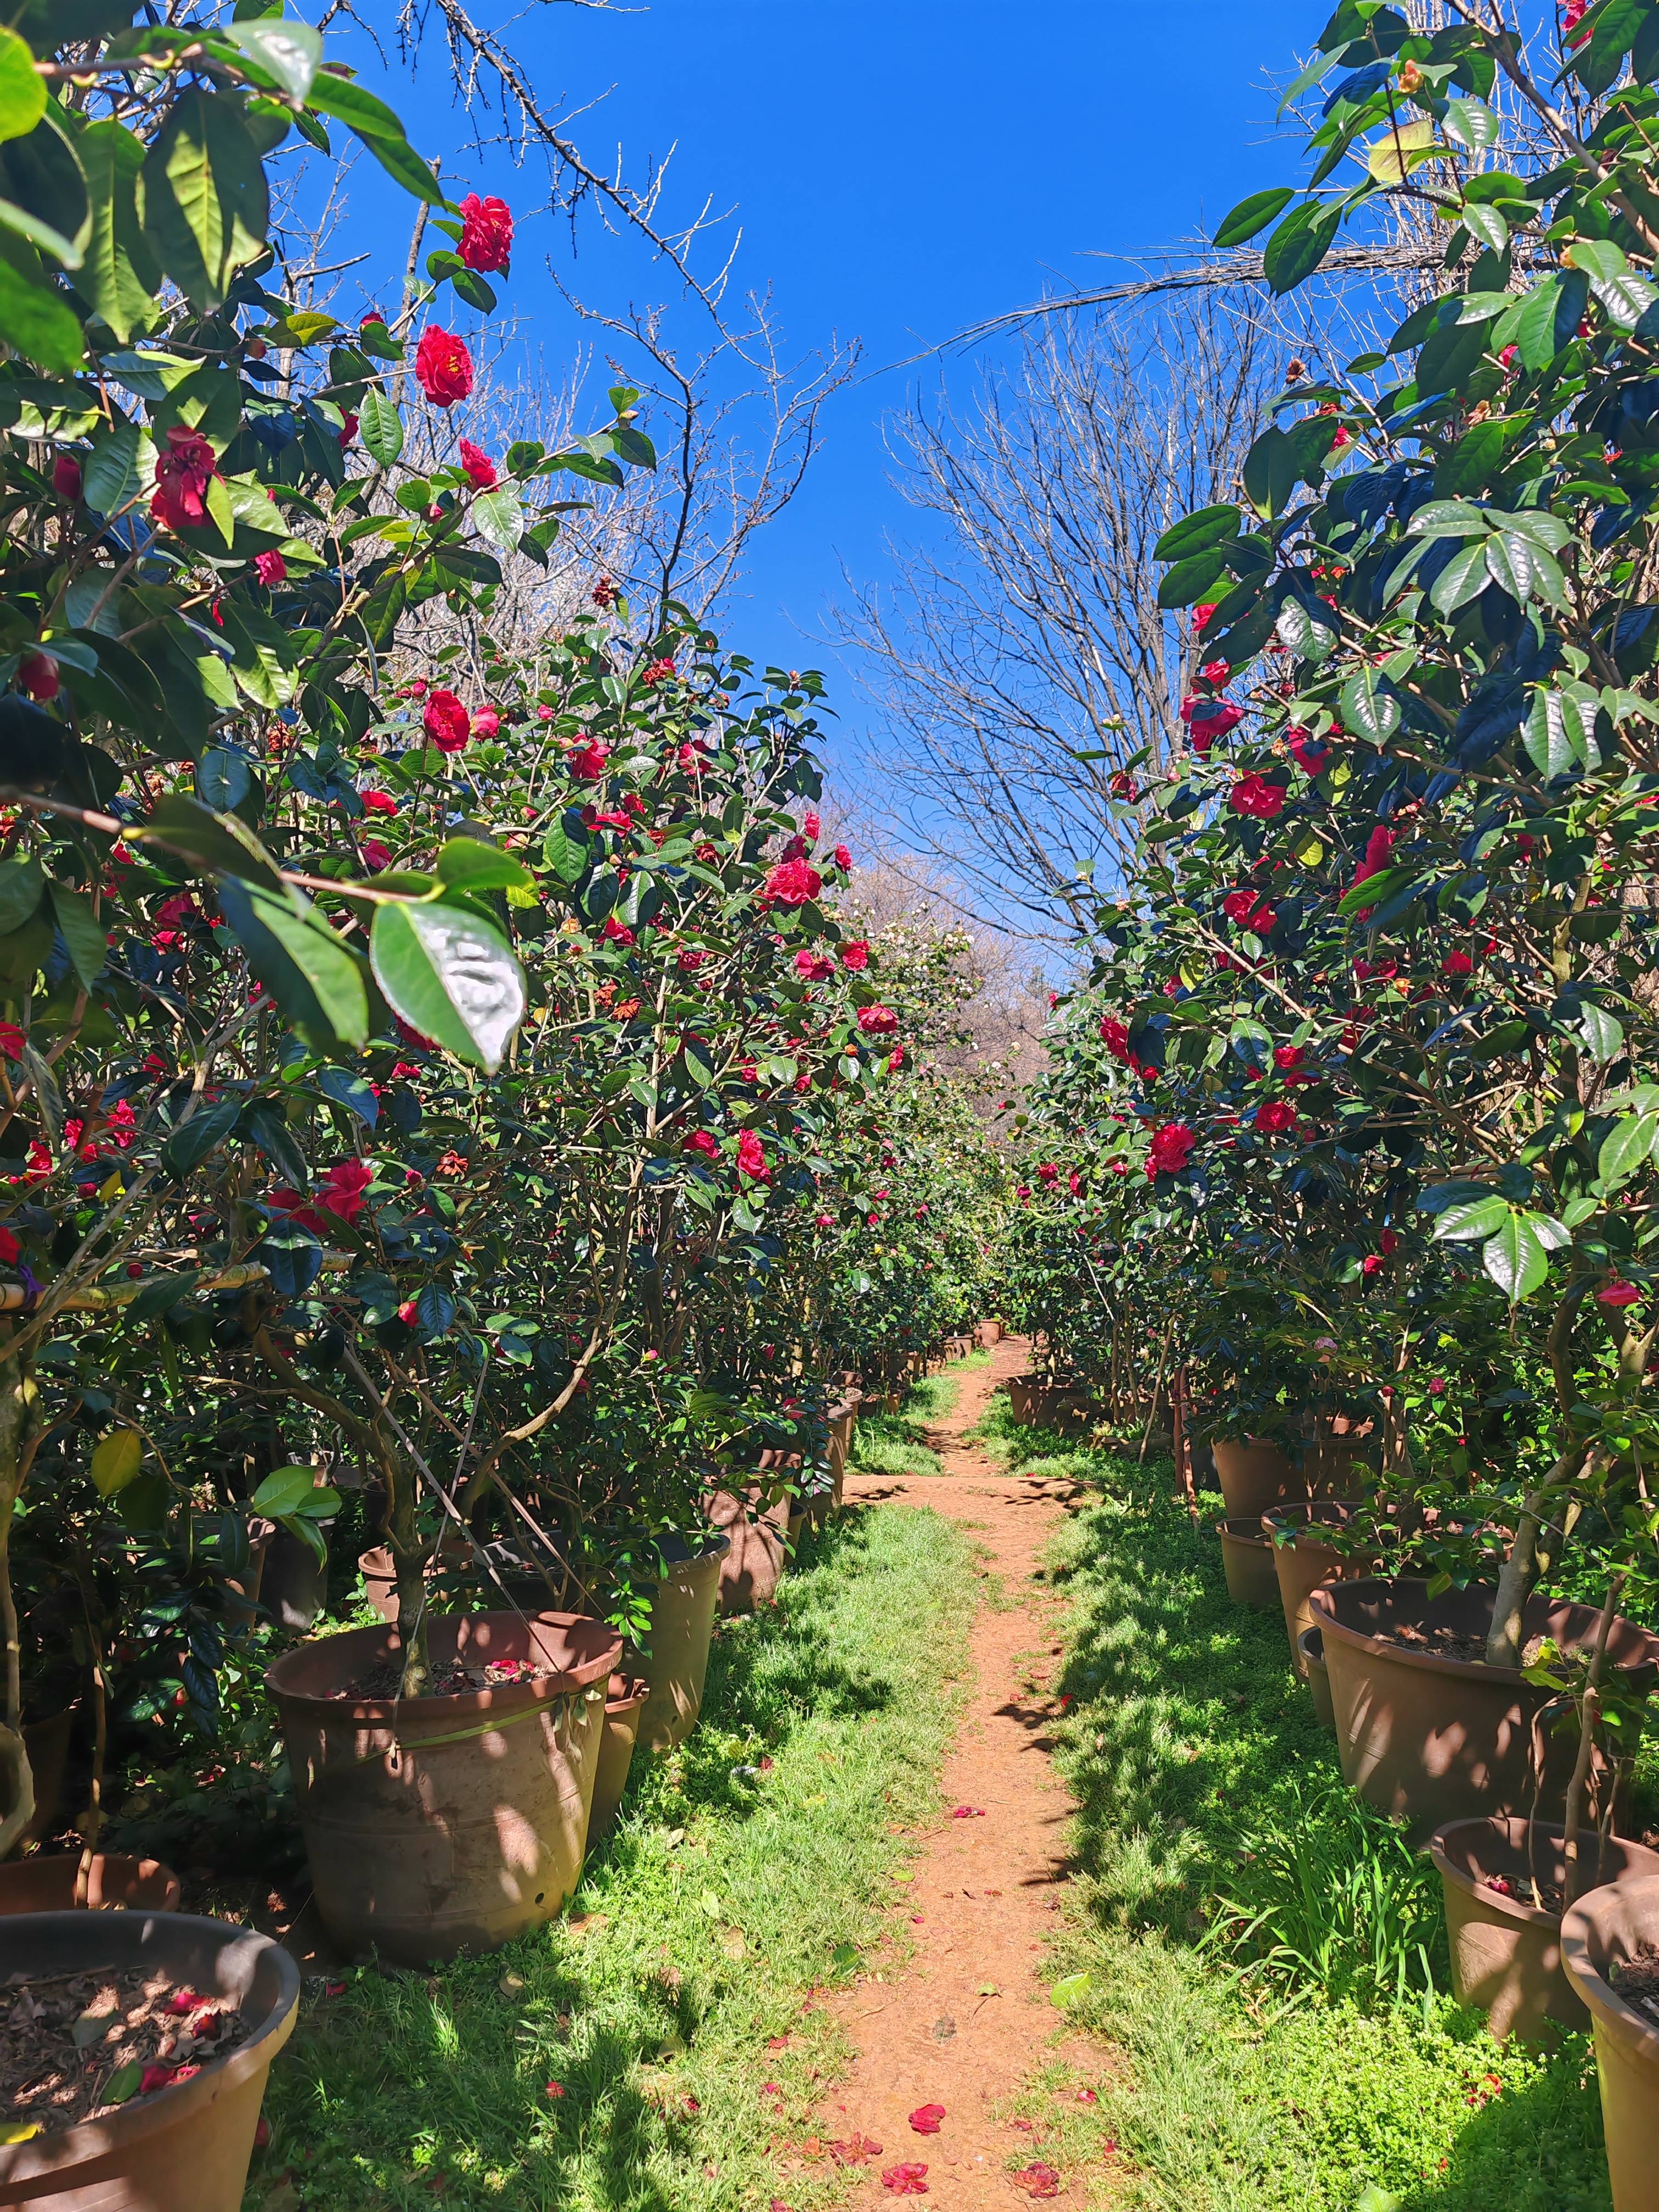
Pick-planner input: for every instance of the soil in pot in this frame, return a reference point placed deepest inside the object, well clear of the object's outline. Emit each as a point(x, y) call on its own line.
point(1304, 1558)
point(1255, 1476)
point(1247, 1560)
point(1311, 1646)
point(45, 1882)
point(682, 1628)
point(623, 1704)
point(1609, 1942)
point(1428, 1736)
point(182, 2018)
point(454, 1821)
point(1504, 1882)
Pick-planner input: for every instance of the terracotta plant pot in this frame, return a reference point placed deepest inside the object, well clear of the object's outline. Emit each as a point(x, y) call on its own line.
point(443, 1824)
point(295, 1582)
point(380, 1574)
point(1254, 1476)
point(1429, 1739)
point(1505, 1950)
point(190, 2145)
point(623, 1704)
point(1302, 1562)
point(47, 1743)
point(756, 1525)
point(1247, 1560)
point(241, 1600)
point(1312, 1645)
point(989, 1333)
point(1603, 1929)
point(46, 1883)
point(682, 1629)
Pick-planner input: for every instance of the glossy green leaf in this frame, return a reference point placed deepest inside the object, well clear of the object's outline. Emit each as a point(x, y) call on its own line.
point(22, 89)
point(117, 1460)
point(1625, 1146)
point(1462, 579)
point(468, 864)
point(380, 426)
point(203, 1133)
point(1253, 214)
point(1473, 1221)
point(286, 49)
point(218, 844)
point(315, 979)
point(37, 321)
point(1515, 1258)
point(85, 936)
point(451, 975)
point(206, 209)
point(498, 517)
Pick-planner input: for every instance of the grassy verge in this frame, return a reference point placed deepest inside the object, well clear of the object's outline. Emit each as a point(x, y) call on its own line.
point(1320, 2065)
point(893, 1444)
point(730, 1889)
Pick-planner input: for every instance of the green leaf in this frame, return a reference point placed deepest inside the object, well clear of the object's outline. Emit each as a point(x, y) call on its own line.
point(1189, 580)
point(1304, 634)
point(1253, 214)
point(287, 1491)
point(1362, 897)
point(37, 321)
point(315, 979)
point(21, 883)
point(216, 843)
point(1474, 1221)
point(1516, 1258)
point(1474, 460)
point(566, 855)
point(1199, 533)
point(468, 864)
point(1471, 123)
point(380, 426)
point(204, 1133)
point(116, 1461)
point(399, 160)
point(118, 278)
point(1298, 246)
point(288, 50)
point(1625, 295)
point(1272, 472)
point(1485, 223)
point(1625, 1147)
point(1374, 714)
point(83, 934)
point(1560, 731)
point(123, 2082)
point(498, 517)
point(451, 975)
point(1069, 1988)
point(205, 206)
point(121, 465)
point(156, 1294)
point(22, 89)
point(1604, 1037)
point(1462, 579)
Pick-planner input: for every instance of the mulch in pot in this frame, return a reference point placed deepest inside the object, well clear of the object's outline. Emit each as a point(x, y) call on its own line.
point(449, 1678)
point(1636, 1980)
point(77, 2047)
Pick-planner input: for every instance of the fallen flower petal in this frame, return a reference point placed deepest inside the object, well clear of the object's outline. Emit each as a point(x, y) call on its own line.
point(925, 2119)
point(855, 2150)
point(907, 2180)
point(1036, 2180)
point(968, 1812)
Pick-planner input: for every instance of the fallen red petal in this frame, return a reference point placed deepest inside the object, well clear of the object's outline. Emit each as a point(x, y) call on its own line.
point(1036, 2180)
point(854, 2150)
point(968, 1812)
point(556, 2088)
point(907, 2180)
point(262, 2133)
point(925, 2119)
point(1087, 2097)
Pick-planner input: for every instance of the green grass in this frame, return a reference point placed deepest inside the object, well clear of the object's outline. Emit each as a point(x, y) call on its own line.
point(726, 1894)
point(892, 1444)
point(1251, 2082)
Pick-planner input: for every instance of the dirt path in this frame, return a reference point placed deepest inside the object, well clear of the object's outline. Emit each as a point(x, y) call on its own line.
point(932, 2032)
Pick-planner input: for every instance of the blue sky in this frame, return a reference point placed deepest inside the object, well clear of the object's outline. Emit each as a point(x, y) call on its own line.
point(900, 168)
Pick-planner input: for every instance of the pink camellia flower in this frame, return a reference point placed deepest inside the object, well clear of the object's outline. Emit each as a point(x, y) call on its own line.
point(588, 761)
point(1202, 614)
point(11, 1043)
point(823, 1220)
point(481, 471)
point(377, 802)
point(792, 883)
point(1372, 1264)
point(409, 1313)
point(1618, 1293)
point(66, 476)
point(447, 722)
point(37, 674)
point(1048, 1172)
point(1215, 671)
point(348, 428)
point(691, 959)
point(751, 1158)
point(1274, 1115)
point(1456, 963)
point(877, 1021)
point(855, 956)
point(443, 367)
point(700, 1141)
point(815, 966)
point(1171, 1147)
point(376, 855)
point(182, 475)
point(1074, 1183)
point(655, 672)
point(842, 858)
point(811, 825)
point(486, 240)
point(1379, 847)
point(270, 568)
point(1253, 795)
point(1571, 16)
point(618, 932)
point(486, 723)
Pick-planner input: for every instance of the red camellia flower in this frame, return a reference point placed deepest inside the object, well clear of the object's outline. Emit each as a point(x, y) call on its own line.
point(270, 568)
point(1202, 614)
point(1254, 795)
point(1048, 1172)
point(877, 1021)
point(486, 240)
point(376, 855)
point(481, 471)
point(842, 858)
point(588, 761)
point(486, 723)
point(1617, 1293)
point(348, 428)
point(1114, 1035)
point(617, 932)
point(443, 367)
point(691, 960)
point(925, 2119)
point(11, 1043)
point(792, 883)
point(1287, 1058)
point(377, 802)
point(1215, 671)
point(1571, 16)
point(37, 674)
point(655, 672)
point(182, 474)
point(1274, 1115)
point(447, 722)
point(1308, 755)
point(700, 1141)
point(815, 966)
point(1456, 963)
point(908, 2179)
point(1379, 847)
point(66, 476)
point(855, 956)
point(9, 1248)
point(1387, 1243)
point(751, 1158)
point(1171, 1147)
point(1371, 1264)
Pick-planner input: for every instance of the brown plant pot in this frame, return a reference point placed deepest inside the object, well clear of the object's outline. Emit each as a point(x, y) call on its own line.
point(379, 1573)
point(1506, 1951)
point(756, 1523)
point(682, 1629)
point(443, 1824)
point(1247, 1560)
point(46, 1883)
point(295, 1582)
point(1601, 1930)
point(189, 2145)
point(623, 1704)
point(241, 1600)
point(1428, 1739)
point(1254, 1477)
point(48, 1744)
point(989, 1333)
point(1301, 1562)
point(1312, 1645)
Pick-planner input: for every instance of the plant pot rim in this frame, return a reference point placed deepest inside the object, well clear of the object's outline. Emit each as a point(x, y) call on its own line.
point(1496, 1825)
point(383, 1639)
point(1243, 1528)
point(711, 1544)
point(1598, 1993)
point(47, 2157)
point(1325, 1599)
point(1311, 1642)
point(1289, 1523)
point(634, 1691)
